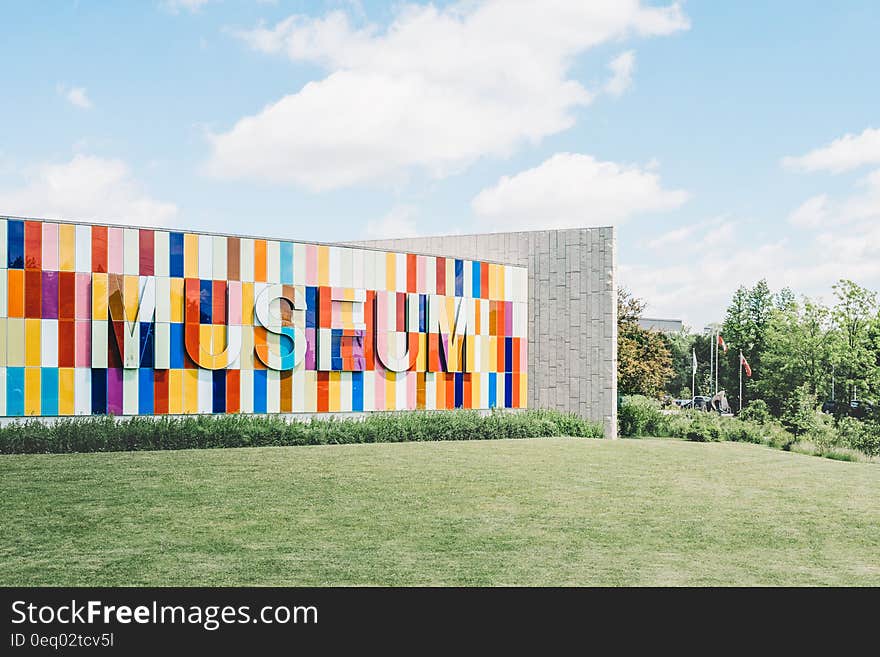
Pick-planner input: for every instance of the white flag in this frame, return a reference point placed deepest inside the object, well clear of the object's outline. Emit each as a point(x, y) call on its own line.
point(695, 361)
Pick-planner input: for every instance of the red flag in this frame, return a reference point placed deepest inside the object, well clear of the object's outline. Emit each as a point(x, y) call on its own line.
point(722, 343)
point(745, 364)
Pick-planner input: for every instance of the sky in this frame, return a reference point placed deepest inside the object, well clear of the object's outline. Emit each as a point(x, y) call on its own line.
point(726, 142)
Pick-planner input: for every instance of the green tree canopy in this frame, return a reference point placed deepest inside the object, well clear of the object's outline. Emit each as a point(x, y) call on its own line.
point(644, 362)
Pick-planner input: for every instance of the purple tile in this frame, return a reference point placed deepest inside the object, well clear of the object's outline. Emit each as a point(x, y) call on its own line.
point(310, 349)
point(50, 295)
point(114, 391)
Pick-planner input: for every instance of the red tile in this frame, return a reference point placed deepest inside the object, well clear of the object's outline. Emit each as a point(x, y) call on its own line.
point(147, 258)
point(99, 248)
point(33, 244)
point(33, 293)
point(441, 275)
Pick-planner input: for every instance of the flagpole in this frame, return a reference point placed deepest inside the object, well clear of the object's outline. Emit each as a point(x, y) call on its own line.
point(693, 375)
point(711, 361)
point(717, 349)
point(740, 381)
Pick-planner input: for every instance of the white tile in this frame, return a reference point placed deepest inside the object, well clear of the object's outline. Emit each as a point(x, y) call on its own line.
point(130, 392)
point(49, 342)
point(161, 253)
point(131, 256)
point(84, 250)
point(206, 257)
point(82, 391)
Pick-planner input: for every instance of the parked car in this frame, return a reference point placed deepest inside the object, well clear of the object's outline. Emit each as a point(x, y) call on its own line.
point(857, 408)
point(702, 403)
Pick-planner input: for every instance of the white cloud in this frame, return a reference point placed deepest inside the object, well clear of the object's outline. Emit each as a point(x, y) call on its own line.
point(569, 190)
point(433, 92)
point(622, 68)
point(696, 284)
point(812, 213)
point(835, 238)
point(76, 96)
point(176, 6)
point(844, 154)
point(86, 188)
point(400, 222)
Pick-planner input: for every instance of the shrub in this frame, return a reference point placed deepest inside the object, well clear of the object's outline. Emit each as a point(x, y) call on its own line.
point(704, 428)
point(863, 436)
point(639, 416)
point(822, 432)
point(801, 414)
point(109, 434)
point(756, 411)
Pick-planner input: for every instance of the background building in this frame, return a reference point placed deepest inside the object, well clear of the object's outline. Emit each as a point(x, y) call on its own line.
point(661, 325)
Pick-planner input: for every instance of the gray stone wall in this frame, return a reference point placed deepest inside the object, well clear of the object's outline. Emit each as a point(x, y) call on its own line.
point(572, 310)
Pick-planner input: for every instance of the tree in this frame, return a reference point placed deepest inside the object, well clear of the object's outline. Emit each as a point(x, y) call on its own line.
point(801, 346)
point(644, 362)
point(855, 318)
point(745, 329)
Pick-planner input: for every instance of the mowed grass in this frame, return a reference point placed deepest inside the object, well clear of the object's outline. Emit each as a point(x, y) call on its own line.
point(521, 512)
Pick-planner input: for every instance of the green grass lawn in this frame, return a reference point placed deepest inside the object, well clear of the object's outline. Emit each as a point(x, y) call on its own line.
point(531, 512)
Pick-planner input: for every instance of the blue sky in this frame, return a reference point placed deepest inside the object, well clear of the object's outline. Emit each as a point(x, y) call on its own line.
point(726, 141)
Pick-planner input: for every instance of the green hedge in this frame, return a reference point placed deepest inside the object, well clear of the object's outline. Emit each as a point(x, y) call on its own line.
point(846, 439)
point(109, 434)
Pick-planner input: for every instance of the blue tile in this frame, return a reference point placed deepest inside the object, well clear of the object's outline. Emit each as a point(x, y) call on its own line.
point(219, 402)
point(175, 247)
point(206, 289)
point(15, 391)
point(145, 390)
point(49, 391)
point(99, 391)
point(178, 346)
point(287, 263)
point(260, 380)
point(357, 391)
point(15, 244)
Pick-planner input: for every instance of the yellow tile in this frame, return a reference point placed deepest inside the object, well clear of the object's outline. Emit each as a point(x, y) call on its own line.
point(334, 401)
point(175, 391)
point(220, 358)
point(67, 247)
point(422, 358)
point(390, 391)
point(177, 300)
point(190, 391)
point(390, 271)
point(15, 342)
point(310, 389)
point(130, 297)
point(3, 342)
point(65, 390)
point(470, 365)
point(246, 361)
point(247, 304)
point(32, 390)
point(190, 255)
point(323, 265)
point(99, 296)
point(32, 348)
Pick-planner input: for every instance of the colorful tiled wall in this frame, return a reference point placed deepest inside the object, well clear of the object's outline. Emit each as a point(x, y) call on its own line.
point(98, 319)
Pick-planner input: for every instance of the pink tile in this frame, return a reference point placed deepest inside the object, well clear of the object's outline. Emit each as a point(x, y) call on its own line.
point(114, 250)
point(50, 246)
point(83, 296)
